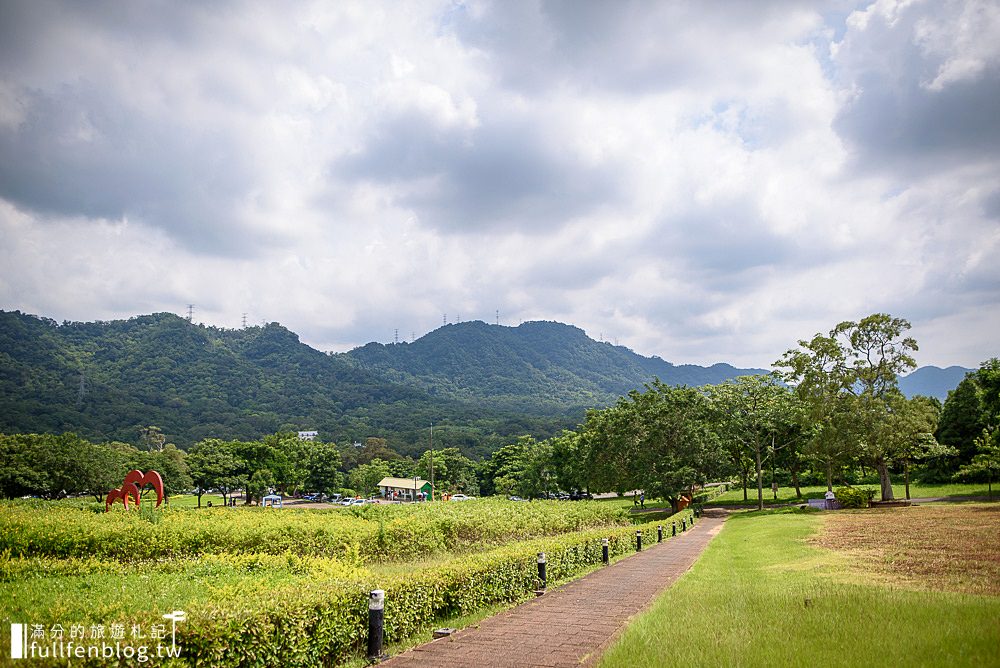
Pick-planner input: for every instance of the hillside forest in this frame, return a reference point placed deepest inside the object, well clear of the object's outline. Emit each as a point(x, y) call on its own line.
point(832, 414)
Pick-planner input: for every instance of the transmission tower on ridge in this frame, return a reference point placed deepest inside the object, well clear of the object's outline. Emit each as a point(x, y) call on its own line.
point(244, 321)
point(190, 312)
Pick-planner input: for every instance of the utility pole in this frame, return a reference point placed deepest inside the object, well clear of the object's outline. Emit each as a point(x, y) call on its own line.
point(83, 389)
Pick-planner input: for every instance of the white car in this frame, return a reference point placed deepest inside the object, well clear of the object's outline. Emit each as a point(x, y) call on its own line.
point(462, 497)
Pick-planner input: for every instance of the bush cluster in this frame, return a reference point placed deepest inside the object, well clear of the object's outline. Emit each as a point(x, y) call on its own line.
point(853, 497)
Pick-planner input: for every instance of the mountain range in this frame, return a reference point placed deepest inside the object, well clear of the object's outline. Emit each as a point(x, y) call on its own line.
point(479, 383)
point(538, 367)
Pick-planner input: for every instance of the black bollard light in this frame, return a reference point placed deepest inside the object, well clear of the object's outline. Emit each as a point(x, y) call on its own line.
point(541, 568)
point(376, 623)
point(659, 533)
point(673, 528)
point(684, 525)
point(638, 541)
point(604, 550)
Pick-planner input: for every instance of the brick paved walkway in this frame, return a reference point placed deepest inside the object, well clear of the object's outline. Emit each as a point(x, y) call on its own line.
point(574, 624)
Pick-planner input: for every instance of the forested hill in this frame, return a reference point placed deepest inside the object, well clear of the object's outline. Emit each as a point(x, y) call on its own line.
point(106, 380)
point(537, 367)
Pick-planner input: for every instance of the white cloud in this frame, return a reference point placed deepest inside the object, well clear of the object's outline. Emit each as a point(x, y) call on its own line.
point(703, 182)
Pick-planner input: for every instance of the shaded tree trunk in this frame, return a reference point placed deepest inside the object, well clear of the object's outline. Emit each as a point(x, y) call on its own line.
point(884, 481)
point(760, 482)
point(906, 474)
point(795, 482)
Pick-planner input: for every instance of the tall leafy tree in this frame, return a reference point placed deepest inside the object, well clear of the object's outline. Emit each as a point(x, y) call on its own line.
point(986, 461)
point(909, 431)
point(453, 471)
point(661, 441)
point(365, 478)
point(963, 418)
point(323, 468)
point(849, 378)
point(213, 464)
point(879, 352)
point(751, 411)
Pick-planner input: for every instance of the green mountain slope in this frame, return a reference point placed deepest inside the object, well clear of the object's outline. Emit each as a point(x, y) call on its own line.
point(537, 367)
point(106, 380)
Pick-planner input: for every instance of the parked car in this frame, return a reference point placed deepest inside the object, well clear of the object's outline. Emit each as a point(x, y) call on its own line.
point(347, 502)
point(462, 497)
point(336, 498)
point(514, 498)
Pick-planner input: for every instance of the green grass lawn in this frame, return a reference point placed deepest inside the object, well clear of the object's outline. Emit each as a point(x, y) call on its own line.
point(734, 497)
point(761, 596)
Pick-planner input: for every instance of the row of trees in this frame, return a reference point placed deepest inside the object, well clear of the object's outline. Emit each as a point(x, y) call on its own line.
point(55, 466)
point(833, 408)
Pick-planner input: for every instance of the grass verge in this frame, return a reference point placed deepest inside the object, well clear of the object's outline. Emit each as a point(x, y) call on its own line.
point(762, 595)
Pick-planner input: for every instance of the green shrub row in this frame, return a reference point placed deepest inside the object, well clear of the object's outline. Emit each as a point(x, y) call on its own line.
point(326, 621)
point(371, 534)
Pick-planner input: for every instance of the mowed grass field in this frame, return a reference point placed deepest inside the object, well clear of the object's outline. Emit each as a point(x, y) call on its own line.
point(915, 586)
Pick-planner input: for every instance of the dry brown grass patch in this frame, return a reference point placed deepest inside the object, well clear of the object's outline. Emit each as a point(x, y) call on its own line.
point(939, 547)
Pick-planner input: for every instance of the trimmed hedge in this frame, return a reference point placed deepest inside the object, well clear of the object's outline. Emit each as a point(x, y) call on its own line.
point(302, 607)
point(327, 621)
point(371, 534)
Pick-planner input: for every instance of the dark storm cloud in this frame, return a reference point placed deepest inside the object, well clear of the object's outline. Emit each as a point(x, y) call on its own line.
point(79, 153)
point(86, 144)
point(907, 114)
point(503, 174)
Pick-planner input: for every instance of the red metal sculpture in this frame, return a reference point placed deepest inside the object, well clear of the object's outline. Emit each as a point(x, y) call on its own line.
point(135, 480)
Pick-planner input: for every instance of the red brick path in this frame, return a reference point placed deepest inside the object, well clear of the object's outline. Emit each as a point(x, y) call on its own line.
point(574, 624)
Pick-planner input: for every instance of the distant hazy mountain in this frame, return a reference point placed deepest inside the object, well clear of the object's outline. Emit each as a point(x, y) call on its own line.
point(932, 381)
point(537, 367)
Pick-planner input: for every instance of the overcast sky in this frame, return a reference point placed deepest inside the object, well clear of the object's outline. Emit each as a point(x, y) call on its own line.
point(701, 181)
